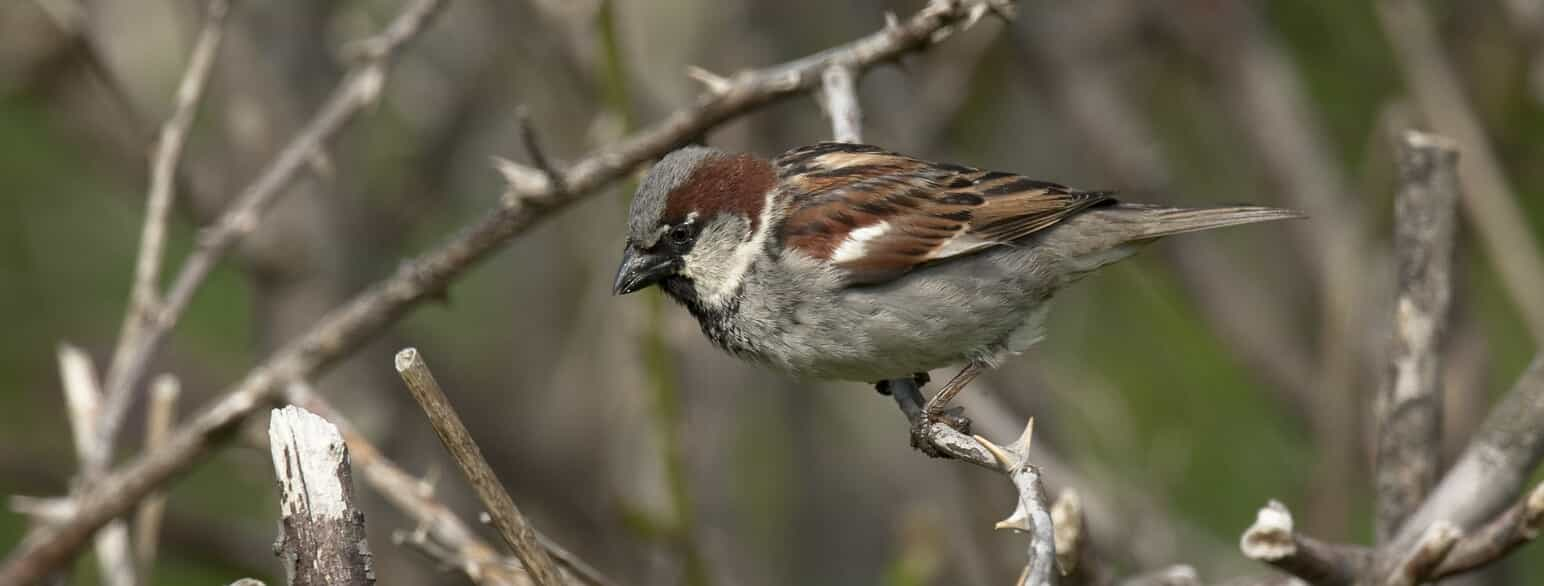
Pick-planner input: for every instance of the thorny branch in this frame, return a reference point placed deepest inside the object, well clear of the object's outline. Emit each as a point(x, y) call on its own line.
point(359, 320)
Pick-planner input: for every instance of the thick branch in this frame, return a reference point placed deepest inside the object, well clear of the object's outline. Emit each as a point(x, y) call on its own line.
point(349, 326)
point(1410, 401)
point(516, 531)
point(1492, 470)
point(323, 539)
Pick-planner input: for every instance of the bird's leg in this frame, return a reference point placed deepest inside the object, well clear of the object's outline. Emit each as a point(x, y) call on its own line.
point(936, 406)
point(937, 410)
point(923, 413)
point(907, 393)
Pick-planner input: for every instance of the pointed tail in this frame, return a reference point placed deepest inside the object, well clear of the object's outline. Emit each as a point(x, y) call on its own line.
point(1148, 222)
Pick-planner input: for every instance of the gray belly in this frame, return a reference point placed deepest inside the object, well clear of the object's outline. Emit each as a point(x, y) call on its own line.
point(984, 307)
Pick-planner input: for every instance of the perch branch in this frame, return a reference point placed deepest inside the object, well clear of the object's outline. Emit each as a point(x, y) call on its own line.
point(512, 526)
point(1410, 402)
point(360, 319)
point(1272, 539)
point(1030, 515)
point(322, 539)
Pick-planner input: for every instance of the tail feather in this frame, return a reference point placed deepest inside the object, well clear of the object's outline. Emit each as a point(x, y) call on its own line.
point(1149, 222)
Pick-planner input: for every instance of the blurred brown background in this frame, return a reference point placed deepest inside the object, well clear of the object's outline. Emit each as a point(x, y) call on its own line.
point(1178, 391)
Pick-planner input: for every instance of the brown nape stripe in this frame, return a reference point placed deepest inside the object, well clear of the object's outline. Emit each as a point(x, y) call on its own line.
point(725, 184)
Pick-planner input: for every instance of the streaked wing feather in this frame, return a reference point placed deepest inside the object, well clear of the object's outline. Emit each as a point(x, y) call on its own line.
point(877, 215)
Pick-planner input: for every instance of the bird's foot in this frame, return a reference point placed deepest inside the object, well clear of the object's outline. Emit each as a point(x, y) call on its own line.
point(921, 429)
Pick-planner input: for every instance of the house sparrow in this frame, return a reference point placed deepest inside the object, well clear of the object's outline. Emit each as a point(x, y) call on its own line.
point(845, 261)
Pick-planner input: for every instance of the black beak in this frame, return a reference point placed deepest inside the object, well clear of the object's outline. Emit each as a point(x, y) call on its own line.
point(641, 269)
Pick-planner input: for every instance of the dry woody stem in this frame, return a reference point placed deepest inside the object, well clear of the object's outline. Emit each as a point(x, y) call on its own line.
point(512, 526)
point(323, 531)
point(1410, 401)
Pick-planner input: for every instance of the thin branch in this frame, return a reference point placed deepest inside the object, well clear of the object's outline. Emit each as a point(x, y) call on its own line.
point(359, 320)
point(158, 424)
point(415, 497)
point(534, 150)
point(839, 99)
point(323, 531)
point(513, 528)
point(83, 400)
point(1512, 529)
point(359, 88)
point(1410, 401)
point(1272, 539)
point(1489, 198)
point(144, 299)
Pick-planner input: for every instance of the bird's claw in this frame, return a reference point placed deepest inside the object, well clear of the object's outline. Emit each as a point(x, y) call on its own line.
point(921, 432)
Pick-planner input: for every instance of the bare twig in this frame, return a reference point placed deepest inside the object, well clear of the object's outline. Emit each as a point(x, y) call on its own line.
point(83, 401)
point(144, 298)
point(1515, 527)
point(534, 150)
point(323, 531)
point(359, 88)
point(1488, 196)
point(470, 554)
point(1410, 401)
point(1272, 539)
point(158, 424)
point(839, 98)
point(1031, 514)
point(371, 311)
point(516, 531)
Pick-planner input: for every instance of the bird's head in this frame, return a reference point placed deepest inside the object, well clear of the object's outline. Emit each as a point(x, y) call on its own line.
point(696, 224)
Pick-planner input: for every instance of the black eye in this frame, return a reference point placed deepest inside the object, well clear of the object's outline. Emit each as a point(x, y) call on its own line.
point(680, 234)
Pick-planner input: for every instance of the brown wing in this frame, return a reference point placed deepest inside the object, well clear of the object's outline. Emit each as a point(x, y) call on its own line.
point(877, 214)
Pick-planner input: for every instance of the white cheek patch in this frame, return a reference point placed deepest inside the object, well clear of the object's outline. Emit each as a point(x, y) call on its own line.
point(856, 244)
